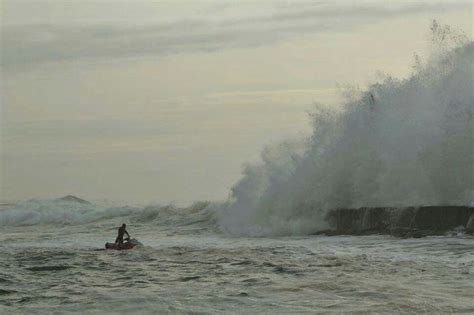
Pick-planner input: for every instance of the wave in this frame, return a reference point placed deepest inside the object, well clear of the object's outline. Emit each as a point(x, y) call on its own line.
point(59, 211)
point(399, 143)
point(201, 215)
point(68, 211)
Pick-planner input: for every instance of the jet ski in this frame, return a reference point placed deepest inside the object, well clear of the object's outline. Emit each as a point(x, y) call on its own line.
point(128, 244)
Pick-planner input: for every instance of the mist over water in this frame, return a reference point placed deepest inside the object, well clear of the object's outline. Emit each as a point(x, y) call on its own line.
point(402, 142)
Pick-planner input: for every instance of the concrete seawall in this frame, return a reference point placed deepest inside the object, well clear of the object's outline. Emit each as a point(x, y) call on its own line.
point(403, 222)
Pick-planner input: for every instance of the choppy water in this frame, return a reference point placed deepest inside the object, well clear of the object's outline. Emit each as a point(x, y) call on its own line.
point(186, 269)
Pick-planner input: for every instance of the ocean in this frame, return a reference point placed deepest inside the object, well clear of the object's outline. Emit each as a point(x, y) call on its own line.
point(187, 265)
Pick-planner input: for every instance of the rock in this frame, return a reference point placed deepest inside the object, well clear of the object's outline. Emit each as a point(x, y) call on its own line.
point(71, 198)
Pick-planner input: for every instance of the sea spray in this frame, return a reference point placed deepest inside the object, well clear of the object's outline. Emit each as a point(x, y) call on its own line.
point(400, 143)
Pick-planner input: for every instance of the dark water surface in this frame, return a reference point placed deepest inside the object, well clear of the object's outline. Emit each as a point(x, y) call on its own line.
point(48, 269)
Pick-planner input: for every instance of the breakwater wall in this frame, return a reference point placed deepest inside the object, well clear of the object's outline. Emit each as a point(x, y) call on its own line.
point(402, 222)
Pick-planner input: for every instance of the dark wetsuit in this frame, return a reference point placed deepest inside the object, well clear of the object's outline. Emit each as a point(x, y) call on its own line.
point(121, 233)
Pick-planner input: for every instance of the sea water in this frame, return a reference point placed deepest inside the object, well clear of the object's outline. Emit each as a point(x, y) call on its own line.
point(189, 266)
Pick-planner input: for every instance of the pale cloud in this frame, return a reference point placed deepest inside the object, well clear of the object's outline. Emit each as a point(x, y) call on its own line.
point(28, 44)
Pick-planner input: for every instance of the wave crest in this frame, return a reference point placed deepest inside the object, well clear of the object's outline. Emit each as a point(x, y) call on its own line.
point(65, 211)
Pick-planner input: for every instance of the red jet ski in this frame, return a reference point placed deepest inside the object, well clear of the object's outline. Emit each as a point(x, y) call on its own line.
point(128, 244)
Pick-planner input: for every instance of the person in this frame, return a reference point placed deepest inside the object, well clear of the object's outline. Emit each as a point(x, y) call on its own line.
point(121, 233)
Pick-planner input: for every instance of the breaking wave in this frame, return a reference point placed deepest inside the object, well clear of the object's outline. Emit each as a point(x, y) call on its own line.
point(400, 143)
point(71, 212)
point(56, 211)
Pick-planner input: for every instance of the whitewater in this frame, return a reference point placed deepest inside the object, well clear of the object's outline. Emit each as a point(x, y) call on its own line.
point(398, 143)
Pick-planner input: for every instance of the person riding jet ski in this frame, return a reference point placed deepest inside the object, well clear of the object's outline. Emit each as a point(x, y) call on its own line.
point(121, 233)
point(120, 243)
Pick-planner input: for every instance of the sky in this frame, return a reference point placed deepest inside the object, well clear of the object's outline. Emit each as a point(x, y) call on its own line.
point(165, 101)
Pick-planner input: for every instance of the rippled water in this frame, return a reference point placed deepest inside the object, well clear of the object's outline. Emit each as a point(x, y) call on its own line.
point(61, 269)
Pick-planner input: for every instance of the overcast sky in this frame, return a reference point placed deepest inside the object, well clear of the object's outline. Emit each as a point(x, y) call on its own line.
point(163, 101)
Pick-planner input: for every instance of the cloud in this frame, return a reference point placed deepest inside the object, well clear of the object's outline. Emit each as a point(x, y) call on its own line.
point(33, 44)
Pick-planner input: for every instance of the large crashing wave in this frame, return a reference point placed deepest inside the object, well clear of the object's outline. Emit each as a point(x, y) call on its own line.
point(400, 143)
